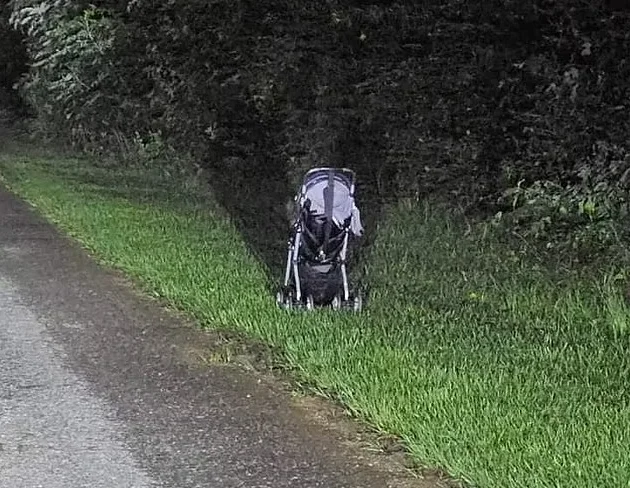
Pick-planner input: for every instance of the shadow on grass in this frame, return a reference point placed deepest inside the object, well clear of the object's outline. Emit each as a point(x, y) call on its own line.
point(258, 204)
point(254, 196)
point(135, 185)
point(256, 201)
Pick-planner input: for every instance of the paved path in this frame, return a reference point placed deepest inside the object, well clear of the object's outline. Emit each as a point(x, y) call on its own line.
point(98, 389)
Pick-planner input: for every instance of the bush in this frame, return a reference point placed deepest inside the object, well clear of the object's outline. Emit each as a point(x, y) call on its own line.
point(462, 99)
point(12, 60)
point(588, 217)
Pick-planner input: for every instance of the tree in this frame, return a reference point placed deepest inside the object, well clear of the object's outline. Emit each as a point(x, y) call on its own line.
point(12, 59)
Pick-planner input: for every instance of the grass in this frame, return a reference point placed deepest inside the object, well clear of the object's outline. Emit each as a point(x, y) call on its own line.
point(492, 368)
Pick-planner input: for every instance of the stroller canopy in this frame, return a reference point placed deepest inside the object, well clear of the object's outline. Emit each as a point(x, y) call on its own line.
point(331, 193)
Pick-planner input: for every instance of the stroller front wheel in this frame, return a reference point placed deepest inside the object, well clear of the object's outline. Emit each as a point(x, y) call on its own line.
point(310, 303)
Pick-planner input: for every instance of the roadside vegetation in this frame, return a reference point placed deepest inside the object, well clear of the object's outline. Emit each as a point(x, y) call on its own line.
point(482, 361)
point(490, 139)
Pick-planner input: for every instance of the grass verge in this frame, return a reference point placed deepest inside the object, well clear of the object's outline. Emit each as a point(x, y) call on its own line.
point(487, 366)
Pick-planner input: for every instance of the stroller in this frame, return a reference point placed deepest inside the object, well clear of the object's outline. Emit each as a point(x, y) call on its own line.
point(325, 217)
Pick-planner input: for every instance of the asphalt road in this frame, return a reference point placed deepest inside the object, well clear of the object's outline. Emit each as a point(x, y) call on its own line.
point(99, 388)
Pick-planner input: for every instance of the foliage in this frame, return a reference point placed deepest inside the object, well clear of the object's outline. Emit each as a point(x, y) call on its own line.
point(12, 59)
point(517, 106)
point(74, 83)
point(460, 98)
point(588, 217)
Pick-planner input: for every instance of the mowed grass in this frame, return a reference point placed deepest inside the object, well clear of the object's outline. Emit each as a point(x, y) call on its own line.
point(498, 371)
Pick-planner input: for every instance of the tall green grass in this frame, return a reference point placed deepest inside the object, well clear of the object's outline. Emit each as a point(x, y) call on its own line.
point(497, 370)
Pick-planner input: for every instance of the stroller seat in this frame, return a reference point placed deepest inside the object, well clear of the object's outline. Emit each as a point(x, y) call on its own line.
point(316, 247)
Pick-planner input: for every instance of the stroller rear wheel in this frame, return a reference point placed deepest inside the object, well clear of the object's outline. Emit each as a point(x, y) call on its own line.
point(336, 303)
point(284, 299)
point(310, 303)
point(357, 303)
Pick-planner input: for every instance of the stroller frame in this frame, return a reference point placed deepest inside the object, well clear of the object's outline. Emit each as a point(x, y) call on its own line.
point(289, 297)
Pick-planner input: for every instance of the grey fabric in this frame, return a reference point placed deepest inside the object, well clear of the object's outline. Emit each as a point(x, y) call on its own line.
point(343, 204)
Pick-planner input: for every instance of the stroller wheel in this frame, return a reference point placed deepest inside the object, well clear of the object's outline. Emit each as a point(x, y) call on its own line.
point(357, 303)
point(310, 303)
point(284, 299)
point(280, 298)
point(336, 303)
